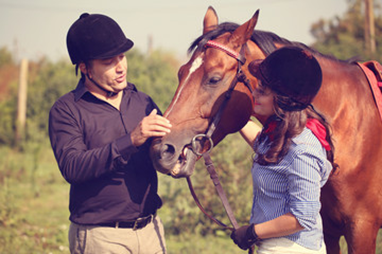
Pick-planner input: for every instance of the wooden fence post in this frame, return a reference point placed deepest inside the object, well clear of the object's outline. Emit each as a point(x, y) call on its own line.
point(369, 27)
point(22, 102)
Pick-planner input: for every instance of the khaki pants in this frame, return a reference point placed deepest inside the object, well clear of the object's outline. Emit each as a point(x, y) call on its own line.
point(108, 240)
point(284, 245)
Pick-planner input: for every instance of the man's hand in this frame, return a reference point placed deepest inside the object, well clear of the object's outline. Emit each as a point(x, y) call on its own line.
point(152, 125)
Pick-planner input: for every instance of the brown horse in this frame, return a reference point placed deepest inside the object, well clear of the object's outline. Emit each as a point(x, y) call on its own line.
point(352, 198)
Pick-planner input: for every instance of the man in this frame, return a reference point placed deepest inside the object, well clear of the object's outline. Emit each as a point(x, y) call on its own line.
point(100, 134)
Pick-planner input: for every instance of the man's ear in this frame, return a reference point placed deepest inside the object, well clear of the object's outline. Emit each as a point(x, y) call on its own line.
point(83, 68)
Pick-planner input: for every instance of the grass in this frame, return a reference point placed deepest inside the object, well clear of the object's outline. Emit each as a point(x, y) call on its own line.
point(34, 210)
point(34, 201)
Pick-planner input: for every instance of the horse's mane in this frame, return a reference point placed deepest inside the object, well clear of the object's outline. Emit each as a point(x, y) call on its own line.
point(266, 41)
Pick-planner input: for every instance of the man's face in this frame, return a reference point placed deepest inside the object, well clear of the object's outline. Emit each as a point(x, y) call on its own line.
point(109, 73)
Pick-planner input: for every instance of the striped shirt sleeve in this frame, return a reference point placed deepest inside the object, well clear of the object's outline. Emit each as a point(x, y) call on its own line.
point(304, 179)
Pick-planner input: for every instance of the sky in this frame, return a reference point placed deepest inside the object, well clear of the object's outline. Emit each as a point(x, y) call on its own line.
point(38, 28)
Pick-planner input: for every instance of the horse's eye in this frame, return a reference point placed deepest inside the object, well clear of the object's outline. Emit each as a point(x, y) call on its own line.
point(214, 80)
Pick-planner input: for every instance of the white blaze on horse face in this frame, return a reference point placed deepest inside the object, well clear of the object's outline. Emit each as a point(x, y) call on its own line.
point(195, 65)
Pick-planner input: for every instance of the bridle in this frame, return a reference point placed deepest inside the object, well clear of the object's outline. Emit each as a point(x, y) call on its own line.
point(239, 77)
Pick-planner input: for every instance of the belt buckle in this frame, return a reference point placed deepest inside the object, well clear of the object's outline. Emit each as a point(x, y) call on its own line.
point(136, 224)
point(145, 219)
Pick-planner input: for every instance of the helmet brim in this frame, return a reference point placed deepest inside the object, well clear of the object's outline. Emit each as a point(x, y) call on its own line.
point(115, 51)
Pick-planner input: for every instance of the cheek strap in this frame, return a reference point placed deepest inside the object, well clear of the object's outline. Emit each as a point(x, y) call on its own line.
point(108, 93)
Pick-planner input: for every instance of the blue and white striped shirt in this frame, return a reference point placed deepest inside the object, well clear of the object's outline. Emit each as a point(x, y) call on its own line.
point(293, 185)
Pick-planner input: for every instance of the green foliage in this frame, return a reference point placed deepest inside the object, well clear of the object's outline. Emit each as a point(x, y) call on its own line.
point(8, 110)
point(46, 82)
point(34, 208)
point(34, 196)
point(33, 203)
point(5, 57)
point(49, 81)
point(154, 74)
point(192, 243)
point(343, 36)
point(232, 159)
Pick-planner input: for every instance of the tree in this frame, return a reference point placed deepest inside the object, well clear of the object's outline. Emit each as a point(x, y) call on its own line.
point(47, 81)
point(343, 36)
point(8, 90)
point(154, 74)
point(5, 57)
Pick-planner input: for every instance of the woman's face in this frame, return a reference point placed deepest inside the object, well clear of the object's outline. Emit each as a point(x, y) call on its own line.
point(264, 101)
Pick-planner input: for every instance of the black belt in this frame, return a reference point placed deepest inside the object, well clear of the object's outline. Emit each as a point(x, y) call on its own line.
point(134, 224)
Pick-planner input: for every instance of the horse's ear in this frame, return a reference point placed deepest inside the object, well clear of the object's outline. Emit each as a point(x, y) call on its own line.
point(245, 31)
point(210, 20)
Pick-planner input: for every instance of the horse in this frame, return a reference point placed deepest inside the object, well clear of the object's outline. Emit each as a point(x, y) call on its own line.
point(202, 113)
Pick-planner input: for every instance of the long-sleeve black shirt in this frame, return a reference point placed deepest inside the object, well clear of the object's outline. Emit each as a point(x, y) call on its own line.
point(111, 179)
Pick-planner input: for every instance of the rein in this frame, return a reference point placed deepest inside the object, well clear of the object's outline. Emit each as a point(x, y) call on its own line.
point(240, 77)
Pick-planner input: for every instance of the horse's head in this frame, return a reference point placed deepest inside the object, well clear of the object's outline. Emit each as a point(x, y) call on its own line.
point(212, 99)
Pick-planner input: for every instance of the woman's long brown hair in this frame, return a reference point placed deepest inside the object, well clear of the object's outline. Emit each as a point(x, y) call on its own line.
point(289, 124)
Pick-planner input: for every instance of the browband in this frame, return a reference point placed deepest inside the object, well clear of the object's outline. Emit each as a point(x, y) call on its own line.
point(238, 56)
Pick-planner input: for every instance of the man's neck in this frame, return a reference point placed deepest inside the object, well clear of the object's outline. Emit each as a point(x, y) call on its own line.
point(113, 98)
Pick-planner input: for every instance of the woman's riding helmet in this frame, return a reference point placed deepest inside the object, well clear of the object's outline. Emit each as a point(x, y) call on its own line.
point(290, 72)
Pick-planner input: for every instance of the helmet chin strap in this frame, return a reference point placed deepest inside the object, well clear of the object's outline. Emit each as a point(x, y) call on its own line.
point(108, 93)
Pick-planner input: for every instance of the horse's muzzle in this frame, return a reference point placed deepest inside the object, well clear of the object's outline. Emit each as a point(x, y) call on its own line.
point(168, 159)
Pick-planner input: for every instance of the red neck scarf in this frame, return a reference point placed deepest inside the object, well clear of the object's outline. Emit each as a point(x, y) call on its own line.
point(317, 128)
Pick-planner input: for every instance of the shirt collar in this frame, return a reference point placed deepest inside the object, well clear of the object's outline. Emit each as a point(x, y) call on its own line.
point(80, 90)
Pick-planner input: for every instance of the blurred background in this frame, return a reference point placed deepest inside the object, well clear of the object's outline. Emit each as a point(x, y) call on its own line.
point(35, 29)
point(35, 71)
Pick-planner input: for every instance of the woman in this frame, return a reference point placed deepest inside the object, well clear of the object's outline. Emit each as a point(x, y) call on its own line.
point(294, 156)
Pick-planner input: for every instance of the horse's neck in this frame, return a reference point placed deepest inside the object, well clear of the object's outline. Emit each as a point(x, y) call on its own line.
point(344, 93)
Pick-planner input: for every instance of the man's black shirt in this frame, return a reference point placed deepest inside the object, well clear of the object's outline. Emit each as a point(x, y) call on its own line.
point(111, 179)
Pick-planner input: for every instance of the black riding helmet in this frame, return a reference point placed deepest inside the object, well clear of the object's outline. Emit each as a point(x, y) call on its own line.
point(95, 36)
point(291, 72)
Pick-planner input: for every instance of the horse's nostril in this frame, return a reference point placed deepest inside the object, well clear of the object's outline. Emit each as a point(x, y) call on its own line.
point(168, 151)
